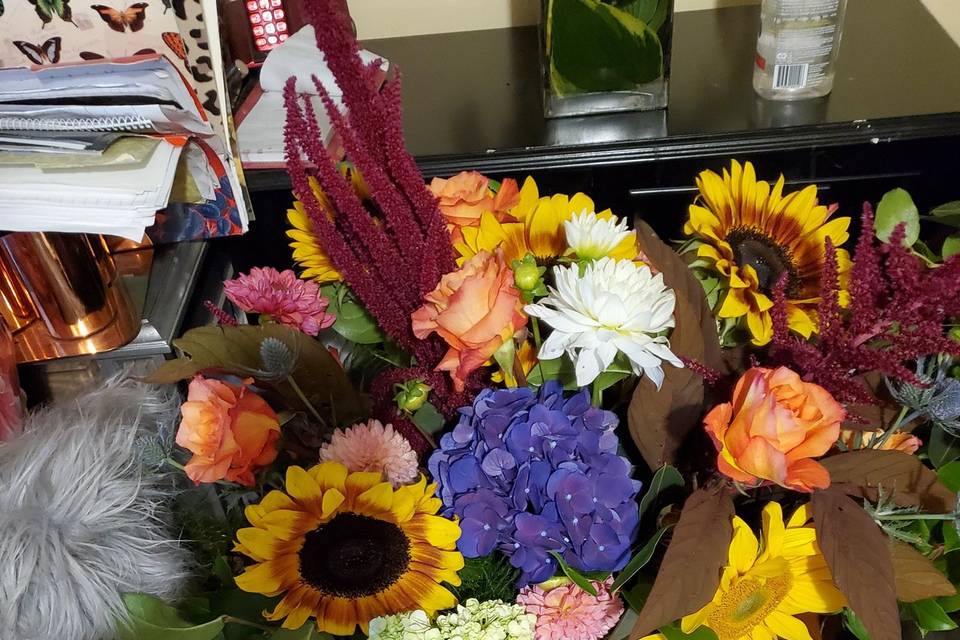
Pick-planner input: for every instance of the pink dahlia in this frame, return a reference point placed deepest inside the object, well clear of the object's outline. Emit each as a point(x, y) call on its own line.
point(282, 296)
point(373, 447)
point(570, 613)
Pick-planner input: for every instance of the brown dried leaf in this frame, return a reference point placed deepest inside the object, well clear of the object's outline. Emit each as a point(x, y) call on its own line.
point(690, 572)
point(908, 481)
point(915, 576)
point(858, 554)
point(659, 420)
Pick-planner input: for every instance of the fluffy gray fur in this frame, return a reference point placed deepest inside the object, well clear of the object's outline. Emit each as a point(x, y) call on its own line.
point(81, 523)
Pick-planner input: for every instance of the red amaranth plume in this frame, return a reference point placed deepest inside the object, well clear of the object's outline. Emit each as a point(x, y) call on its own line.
point(390, 258)
point(897, 310)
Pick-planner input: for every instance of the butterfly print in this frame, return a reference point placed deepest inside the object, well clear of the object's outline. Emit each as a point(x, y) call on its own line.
point(177, 6)
point(175, 41)
point(90, 55)
point(131, 18)
point(46, 53)
point(46, 9)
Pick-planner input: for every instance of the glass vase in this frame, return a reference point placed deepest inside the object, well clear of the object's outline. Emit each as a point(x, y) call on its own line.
point(602, 56)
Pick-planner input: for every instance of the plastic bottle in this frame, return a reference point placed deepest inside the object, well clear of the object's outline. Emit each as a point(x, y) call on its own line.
point(797, 48)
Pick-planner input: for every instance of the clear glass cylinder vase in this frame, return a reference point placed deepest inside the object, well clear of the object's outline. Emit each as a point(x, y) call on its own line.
point(602, 56)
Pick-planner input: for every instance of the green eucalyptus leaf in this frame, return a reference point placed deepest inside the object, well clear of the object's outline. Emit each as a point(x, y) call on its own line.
point(951, 246)
point(625, 627)
point(942, 447)
point(560, 369)
point(897, 207)
point(153, 619)
point(639, 560)
point(929, 616)
point(354, 322)
point(428, 418)
point(575, 576)
point(949, 475)
point(673, 632)
point(854, 626)
point(665, 477)
point(598, 47)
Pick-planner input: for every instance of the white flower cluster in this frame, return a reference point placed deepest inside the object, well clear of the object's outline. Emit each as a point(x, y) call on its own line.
point(490, 620)
point(473, 620)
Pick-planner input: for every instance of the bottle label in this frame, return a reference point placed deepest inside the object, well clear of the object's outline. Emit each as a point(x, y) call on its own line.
point(806, 32)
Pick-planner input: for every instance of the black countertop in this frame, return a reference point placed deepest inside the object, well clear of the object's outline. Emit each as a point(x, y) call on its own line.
point(473, 99)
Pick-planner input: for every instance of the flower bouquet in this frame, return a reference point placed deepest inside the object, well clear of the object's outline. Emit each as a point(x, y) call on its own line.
point(482, 411)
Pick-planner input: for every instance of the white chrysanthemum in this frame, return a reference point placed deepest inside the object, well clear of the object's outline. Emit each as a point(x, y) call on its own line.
point(615, 306)
point(80, 520)
point(592, 237)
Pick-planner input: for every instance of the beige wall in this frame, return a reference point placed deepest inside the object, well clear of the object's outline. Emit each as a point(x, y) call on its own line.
point(386, 18)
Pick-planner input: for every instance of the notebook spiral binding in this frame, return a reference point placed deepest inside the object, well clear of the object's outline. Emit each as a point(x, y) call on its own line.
point(105, 123)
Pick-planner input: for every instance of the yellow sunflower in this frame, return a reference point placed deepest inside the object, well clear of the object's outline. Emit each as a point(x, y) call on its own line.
point(763, 590)
point(307, 252)
point(751, 234)
point(534, 226)
point(345, 548)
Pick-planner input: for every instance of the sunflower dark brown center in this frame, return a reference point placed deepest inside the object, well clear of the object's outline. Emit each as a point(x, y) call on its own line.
point(769, 259)
point(354, 556)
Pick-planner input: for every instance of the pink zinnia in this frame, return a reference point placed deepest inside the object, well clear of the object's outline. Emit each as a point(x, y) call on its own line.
point(373, 447)
point(282, 296)
point(570, 613)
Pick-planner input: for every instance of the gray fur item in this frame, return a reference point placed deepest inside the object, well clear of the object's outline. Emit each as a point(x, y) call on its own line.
point(81, 523)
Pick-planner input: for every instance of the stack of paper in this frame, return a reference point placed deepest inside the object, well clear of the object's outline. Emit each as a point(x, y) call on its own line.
point(99, 147)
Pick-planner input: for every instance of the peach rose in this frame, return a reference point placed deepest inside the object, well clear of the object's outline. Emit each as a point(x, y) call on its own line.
point(229, 429)
point(898, 440)
point(474, 309)
point(467, 195)
point(775, 426)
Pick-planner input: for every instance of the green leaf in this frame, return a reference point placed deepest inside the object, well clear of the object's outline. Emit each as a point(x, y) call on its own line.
point(673, 632)
point(652, 12)
point(598, 47)
point(560, 369)
point(625, 626)
point(929, 616)
point(897, 207)
point(428, 418)
point(854, 626)
point(354, 322)
point(639, 560)
point(306, 632)
point(950, 604)
point(947, 210)
point(942, 447)
point(152, 619)
point(236, 350)
point(949, 475)
point(665, 477)
point(636, 596)
point(951, 246)
point(575, 576)
point(951, 537)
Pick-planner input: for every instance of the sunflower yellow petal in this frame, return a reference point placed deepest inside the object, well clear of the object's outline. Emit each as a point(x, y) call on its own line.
point(302, 487)
point(258, 544)
point(744, 547)
point(332, 499)
point(330, 475)
point(734, 305)
point(339, 617)
point(269, 577)
point(438, 531)
point(773, 528)
point(801, 516)
point(692, 622)
point(375, 500)
point(787, 627)
point(761, 327)
point(359, 481)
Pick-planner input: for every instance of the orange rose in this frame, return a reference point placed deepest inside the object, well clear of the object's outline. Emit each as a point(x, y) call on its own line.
point(474, 309)
point(898, 440)
point(229, 429)
point(466, 196)
point(775, 426)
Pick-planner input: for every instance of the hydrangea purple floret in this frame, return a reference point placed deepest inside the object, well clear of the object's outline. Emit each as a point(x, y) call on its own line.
point(530, 473)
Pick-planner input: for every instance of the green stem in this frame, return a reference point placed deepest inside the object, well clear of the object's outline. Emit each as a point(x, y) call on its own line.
point(892, 428)
point(918, 516)
point(596, 393)
point(536, 332)
point(303, 398)
point(247, 623)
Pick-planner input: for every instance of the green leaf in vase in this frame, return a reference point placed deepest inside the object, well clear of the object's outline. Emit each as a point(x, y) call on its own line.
point(652, 12)
point(595, 47)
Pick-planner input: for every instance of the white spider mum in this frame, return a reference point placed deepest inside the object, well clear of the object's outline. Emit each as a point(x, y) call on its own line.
point(80, 520)
point(592, 237)
point(614, 307)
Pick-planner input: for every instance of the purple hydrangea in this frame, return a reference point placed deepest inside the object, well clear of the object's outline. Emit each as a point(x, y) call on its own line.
point(530, 473)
